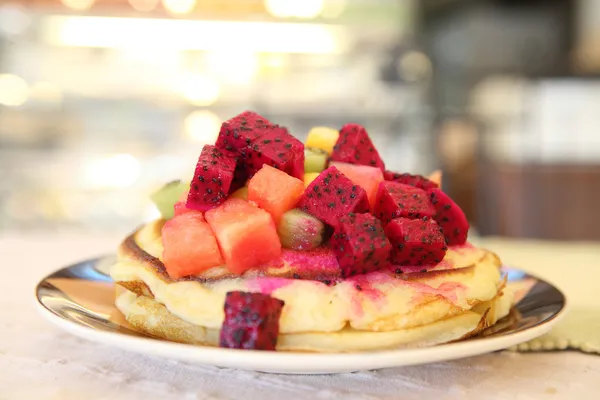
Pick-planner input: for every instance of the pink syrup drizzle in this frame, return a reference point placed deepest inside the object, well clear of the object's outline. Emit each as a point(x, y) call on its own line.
point(462, 248)
point(363, 288)
point(268, 285)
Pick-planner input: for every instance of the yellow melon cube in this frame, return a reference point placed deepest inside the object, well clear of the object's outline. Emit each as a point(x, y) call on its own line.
point(322, 137)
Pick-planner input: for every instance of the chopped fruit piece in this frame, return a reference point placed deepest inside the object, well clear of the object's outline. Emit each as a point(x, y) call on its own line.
point(241, 193)
point(180, 207)
point(308, 178)
point(366, 177)
point(360, 244)
point(355, 147)
point(190, 246)
point(395, 200)
point(166, 198)
point(413, 180)
point(332, 195)
point(246, 234)
point(239, 131)
point(275, 191)
point(315, 159)
point(212, 179)
point(319, 264)
point(236, 134)
point(416, 242)
point(251, 321)
point(300, 231)
point(436, 177)
point(277, 148)
point(450, 217)
point(321, 137)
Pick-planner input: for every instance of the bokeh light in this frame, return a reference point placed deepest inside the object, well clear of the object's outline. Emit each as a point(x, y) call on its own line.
point(236, 67)
point(202, 126)
point(200, 90)
point(14, 19)
point(179, 6)
point(13, 90)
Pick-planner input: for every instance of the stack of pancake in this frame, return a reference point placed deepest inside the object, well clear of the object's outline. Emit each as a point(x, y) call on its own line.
point(401, 307)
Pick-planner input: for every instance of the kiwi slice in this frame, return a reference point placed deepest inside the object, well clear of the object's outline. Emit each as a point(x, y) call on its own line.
point(315, 160)
point(167, 196)
point(300, 231)
point(241, 193)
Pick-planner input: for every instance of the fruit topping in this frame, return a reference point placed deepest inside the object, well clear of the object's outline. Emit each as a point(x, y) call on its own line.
point(239, 131)
point(212, 179)
point(315, 159)
point(450, 217)
point(396, 200)
point(308, 178)
point(246, 234)
point(180, 207)
point(413, 180)
point(300, 231)
point(416, 242)
point(319, 264)
point(366, 177)
point(167, 196)
point(251, 321)
point(277, 148)
point(190, 246)
point(275, 191)
point(355, 147)
point(332, 195)
point(360, 244)
point(321, 137)
point(241, 193)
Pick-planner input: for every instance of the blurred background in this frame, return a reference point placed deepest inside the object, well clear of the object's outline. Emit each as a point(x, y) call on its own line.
point(103, 101)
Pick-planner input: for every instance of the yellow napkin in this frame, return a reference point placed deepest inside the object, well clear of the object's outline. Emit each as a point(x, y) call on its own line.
point(572, 267)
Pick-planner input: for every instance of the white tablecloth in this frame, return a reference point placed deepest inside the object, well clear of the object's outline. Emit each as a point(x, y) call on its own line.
point(39, 361)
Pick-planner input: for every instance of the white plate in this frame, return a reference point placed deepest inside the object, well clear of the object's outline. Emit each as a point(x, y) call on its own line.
point(79, 299)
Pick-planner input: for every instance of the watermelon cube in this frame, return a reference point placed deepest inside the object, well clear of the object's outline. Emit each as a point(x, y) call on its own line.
point(190, 246)
point(246, 234)
point(275, 191)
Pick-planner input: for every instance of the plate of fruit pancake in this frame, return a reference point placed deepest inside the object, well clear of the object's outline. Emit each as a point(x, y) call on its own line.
point(287, 257)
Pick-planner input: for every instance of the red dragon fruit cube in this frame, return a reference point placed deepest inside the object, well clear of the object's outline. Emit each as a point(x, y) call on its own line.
point(212, 179)
point(355, 147)
point(416, 242)
point(331, 196)
point(251, 321)
point(360, 244)
point(395, 200)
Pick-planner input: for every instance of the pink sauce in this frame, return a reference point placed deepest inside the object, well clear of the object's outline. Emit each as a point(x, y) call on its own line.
point(363, 286)
point(268, 285)
point(462, 248)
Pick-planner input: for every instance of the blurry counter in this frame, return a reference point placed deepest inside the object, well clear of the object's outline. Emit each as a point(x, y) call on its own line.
point(41, 362)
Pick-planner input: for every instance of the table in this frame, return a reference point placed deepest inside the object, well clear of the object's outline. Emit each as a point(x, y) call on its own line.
point(39, 361)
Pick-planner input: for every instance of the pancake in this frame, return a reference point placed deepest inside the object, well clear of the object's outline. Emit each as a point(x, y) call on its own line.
point(322, 311)
point(153, 318)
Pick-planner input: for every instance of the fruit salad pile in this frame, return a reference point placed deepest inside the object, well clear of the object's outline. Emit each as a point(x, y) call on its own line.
point(259, 190)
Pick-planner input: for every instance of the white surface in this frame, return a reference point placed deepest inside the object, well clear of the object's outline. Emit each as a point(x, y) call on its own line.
point(39, 361)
